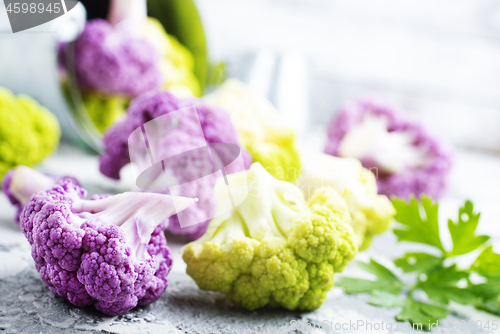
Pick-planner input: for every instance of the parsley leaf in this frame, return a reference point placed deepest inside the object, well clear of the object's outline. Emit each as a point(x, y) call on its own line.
point(441, 286)
point(489, 289)
point(462, 232)
point(385, 299)
point(419, 262)
point(417, 228)
point(492, 305)
point(421, 313)
point(488, 294)
point(419, 224)
point(487, 263)
point(386, 280)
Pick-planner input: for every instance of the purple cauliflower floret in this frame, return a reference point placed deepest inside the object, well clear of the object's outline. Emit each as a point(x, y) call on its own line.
point(21, 182)
point(217, 128)
point(113, 61)
point(110, 253)
point(406, 159)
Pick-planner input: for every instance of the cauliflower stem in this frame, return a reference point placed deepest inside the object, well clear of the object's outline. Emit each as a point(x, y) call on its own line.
point(21, 182)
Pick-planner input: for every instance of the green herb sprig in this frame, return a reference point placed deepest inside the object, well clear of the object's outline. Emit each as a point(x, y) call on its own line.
point(441, 283)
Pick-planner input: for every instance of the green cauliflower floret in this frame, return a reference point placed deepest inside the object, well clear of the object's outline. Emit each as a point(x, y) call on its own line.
point(105, 110)
point(371, 213)
point(261, 132)
point(28, 131)
point(274, 249)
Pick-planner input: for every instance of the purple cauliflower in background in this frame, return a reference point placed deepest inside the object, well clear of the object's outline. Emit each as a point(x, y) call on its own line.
point(112, 61)
point(405, 158)
point(21, 182)
point(110, 253)
point(217, 128)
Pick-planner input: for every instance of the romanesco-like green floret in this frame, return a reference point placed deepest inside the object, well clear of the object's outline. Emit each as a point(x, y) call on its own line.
point(28, 131)
point(371, 213)
point(274, 249)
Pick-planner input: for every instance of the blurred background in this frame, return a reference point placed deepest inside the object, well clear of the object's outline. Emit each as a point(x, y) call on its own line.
point(438, 60)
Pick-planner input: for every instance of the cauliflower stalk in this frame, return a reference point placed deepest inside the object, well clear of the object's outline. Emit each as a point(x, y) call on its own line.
point(22, 182)
point(110, 252)
point(274, 249)
point(371, 213)
point(260, 131)
point(28, 131)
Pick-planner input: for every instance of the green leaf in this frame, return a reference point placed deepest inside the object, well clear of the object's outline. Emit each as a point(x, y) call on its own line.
point(385, 299)
point(386, 280)
point(488, 294)
point(421, 313)
point(487, 263)
point(357, 285)
point(462, 232)
point(487, 290)
point(441, 286)
point(417, 228)
point(492, 305)
point(418, 262)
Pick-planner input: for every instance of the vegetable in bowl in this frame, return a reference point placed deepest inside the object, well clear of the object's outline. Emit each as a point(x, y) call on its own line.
point(113, 64)
point(115, 61)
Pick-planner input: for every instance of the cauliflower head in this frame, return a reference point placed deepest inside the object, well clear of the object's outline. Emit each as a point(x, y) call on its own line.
point(274, 249)
point(110, 252)
point(217, 128)
point(114, 61)
point(28, 131)
point(371, 213)
point(255, 118)
point(408, 159)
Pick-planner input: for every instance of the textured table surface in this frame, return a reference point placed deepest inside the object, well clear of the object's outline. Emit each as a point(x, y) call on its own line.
point(27, 306)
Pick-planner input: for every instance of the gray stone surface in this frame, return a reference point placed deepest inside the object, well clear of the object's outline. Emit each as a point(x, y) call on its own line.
point(27, 306)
